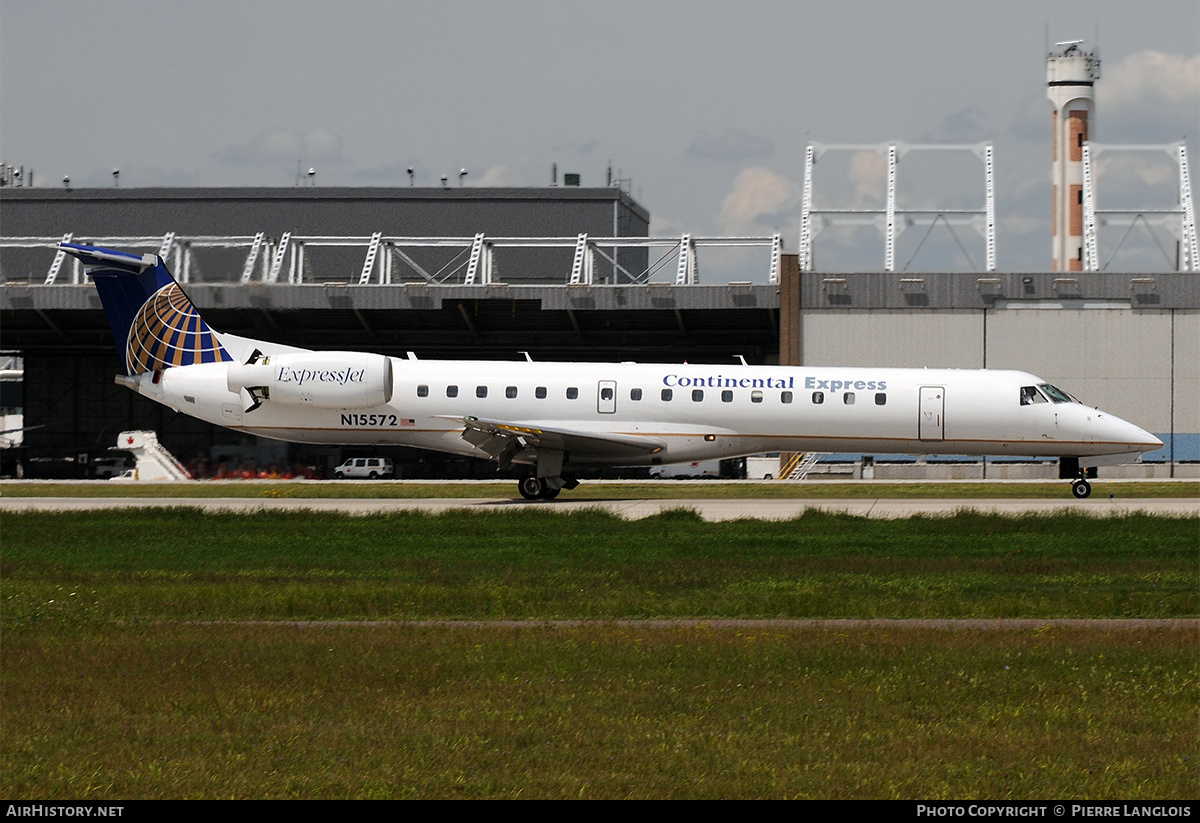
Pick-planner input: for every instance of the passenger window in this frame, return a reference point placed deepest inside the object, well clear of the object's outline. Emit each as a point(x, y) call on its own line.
point(606, 393)
point(452, 391)
point(422, 391)
point(635, 394)
point(755, 396)
point(726, 396)
point(785, 397)
point(848, 398)
point(818, 397)
point(697, 395)
point(540, 392)
point(572, 393)
point(481, 391)
point(667, 394)
point(880, 399)
point(510, 392)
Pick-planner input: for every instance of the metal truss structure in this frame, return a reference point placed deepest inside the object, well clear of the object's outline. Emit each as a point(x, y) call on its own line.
point(892, 220)
point(389, 260)
point(1180, 221)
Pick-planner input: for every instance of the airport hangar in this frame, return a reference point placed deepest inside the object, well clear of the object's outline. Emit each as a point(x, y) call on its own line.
point(471, 273)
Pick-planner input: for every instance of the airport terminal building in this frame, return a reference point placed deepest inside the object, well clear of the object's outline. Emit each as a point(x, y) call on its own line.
point(560, 273)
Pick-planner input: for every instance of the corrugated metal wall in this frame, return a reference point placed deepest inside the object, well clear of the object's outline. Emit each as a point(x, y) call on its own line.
point(1141, 365)
point(499, 212)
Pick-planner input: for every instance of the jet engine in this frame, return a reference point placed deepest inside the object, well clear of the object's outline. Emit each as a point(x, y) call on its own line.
point(324, 380)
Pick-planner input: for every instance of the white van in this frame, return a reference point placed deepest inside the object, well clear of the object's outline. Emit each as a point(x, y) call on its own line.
point(369, 467)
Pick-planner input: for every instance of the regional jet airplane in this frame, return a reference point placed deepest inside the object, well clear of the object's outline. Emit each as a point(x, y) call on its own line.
point(558, 417)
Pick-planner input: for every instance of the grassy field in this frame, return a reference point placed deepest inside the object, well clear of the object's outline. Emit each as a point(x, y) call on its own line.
point(534, 563)
point(663, 489)
point(225, 711)
point(130, 668)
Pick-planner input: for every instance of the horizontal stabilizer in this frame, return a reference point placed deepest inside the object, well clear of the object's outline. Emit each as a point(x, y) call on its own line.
point(95, 257)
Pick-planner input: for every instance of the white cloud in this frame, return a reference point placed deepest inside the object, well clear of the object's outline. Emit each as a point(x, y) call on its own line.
point(1162, 77)
point(868, 172)
point(1150, 96)
point(499, 175)
point(757, 198)
point(320, 145)
point(664, 226)
point(1149, 169)
point(323, 144)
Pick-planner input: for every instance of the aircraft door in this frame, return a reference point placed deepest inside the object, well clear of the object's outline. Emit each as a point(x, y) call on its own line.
point(606, 397)
point(932, 425)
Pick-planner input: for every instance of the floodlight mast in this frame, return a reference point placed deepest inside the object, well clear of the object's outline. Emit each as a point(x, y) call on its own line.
point(892, 220)
point(1179, 220)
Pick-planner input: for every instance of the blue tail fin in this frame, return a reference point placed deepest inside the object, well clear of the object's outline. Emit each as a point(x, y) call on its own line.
point(153, 322)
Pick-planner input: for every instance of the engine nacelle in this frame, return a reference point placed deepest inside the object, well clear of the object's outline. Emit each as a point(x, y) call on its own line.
point(325, 380)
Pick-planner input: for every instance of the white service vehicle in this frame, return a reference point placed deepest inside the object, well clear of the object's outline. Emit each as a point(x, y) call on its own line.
point(372, 468)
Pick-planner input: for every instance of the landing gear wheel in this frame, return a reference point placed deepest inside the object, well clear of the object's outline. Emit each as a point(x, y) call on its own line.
point(531, 488)
point(1081, 489)
point(549, 493)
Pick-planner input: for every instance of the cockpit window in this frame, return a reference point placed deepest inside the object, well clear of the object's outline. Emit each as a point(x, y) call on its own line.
point(1055, 394)
point(1030, 395)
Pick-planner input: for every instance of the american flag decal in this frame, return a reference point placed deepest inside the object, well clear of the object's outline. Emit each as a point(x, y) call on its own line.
point(407, 421)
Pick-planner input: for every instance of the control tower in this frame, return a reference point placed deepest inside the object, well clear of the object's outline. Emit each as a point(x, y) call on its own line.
point(1071, 74)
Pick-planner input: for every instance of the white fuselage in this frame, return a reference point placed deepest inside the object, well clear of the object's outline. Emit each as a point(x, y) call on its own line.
point(692, 412)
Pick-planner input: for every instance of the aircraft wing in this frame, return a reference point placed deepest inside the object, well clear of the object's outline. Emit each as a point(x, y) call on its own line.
point(503, 440)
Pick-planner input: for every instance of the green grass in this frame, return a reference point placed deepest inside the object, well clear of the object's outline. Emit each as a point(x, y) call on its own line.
point(170, 711)
point(664, 489)
point(538, 564)
point(130, 668)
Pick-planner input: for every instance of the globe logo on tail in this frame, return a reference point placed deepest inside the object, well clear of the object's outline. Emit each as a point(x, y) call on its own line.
point(168, 331)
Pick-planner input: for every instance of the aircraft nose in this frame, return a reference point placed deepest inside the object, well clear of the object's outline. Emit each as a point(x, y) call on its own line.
point(1117, 431)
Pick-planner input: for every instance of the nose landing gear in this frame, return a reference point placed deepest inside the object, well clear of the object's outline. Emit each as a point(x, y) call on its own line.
point(1068, 467)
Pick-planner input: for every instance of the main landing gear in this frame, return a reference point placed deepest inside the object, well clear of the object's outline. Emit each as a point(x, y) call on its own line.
point(544, 488)
point(1068, 467)
point(536, 488)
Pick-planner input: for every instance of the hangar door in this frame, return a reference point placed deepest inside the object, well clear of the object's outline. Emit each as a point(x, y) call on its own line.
point(932, 425)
